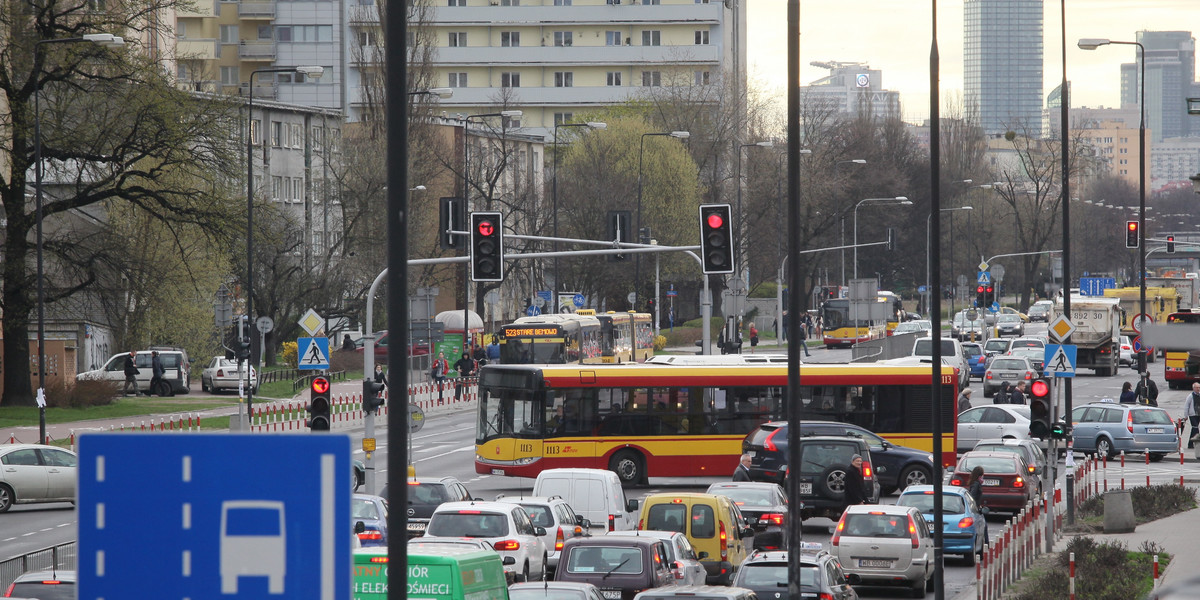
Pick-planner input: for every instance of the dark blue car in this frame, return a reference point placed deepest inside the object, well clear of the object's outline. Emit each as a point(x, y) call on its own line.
point(372, 512)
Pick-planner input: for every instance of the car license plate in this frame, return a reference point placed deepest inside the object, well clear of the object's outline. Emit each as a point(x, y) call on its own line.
point(416, 527)
point(611, 594)
point(987, 481)
point(1008, 376)
point(863, 562)
point(805, 488)
point(751, 453)
point(1154, 430)
point(497, 471)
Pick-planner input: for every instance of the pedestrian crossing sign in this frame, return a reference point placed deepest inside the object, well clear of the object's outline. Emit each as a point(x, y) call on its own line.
point(312, 353)
point(1059, 360)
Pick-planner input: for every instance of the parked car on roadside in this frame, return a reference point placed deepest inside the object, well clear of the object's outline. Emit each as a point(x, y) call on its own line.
point(224, 374)
point(33, 473)
point(175, 377)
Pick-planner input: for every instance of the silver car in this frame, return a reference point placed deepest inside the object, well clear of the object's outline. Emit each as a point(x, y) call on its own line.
point(885, 545)
point(1009, 324)
point(556, 517)
point(963, 328)
point(686, 567)
point(1010, 369)
point(992, 421)
point(1108, 428)
point(32, 473)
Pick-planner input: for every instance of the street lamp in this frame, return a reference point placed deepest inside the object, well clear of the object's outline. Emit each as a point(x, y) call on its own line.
point(897, 200)
point(554, 198)
point(1092, 44)
point(780, 256)
point(740, 232)
point(842, 218)
point(929, 242)
point(637, 261)
point(107, 40)
point(307, 71)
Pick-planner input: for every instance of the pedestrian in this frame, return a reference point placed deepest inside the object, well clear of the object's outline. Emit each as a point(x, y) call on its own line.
point(438, 371)
point(1002, 396)
point(380, 377)
point(493, 351)
point(131, 373)
point(1191, 410)
point(465, 367)
point(347, 343)
point(964, 400)
point(156, 374)
point(1018, 394)
point(783, 332)
point(1128, 396)
point(855, 494)
point(1147, 390)
point(742, 472)
point(480, 356)
point(975, 485)
point(753, 337)
point(804, 339)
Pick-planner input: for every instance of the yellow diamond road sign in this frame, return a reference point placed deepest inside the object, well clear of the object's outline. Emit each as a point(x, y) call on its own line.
point(1061, 328)
point(311, 322)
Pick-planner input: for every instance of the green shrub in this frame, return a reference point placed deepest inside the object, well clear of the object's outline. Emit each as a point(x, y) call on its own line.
point(1103, 571)
point(82, 394)
point(1149, 503)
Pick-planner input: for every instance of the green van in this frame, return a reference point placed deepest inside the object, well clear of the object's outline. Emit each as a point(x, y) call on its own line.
point(451, 574)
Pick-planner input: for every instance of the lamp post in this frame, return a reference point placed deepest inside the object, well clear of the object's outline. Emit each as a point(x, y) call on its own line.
point(780, 256)
point(554, 199)
point(637, 261)
point(1092, 44)
point(742, 272)
point(897, 200)
point(842, 218)
point(309, 71)
point(103, 39)
point(929, 242)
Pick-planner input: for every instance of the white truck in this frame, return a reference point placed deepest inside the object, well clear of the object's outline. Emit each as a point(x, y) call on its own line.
point(1097, 334)
point(1188, 288)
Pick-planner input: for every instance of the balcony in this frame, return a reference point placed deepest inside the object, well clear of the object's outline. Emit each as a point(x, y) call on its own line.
point(606, 15)
point(364, 15)
point(267, 91)
point(581, 56)
point(193, 49)
point(257, 50)
point(256, 10)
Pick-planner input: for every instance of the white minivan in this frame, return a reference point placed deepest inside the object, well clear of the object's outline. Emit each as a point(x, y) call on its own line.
point(595, 494)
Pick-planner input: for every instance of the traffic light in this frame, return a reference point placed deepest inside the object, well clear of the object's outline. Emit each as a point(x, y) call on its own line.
point(241, 349)
point(319, 405)
point(891, 238)
point(980, 299)
point(716, 238)
point(1059, 431)
point(1039, 409)
point(650, 306)
point(372, 396)
point(452, 218)
point(1171, 244)
point(620, 224)
point(989, 294)
point(1131, 234)
point(487, 246)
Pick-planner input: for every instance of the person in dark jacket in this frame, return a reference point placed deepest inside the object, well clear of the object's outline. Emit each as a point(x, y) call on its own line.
point(465, 367)
point(1127, 394)
point(855, 494)
point(975, 485)
point(156, 373)
point(742, 472)
point(131, 373)
point(1003, 395)
point(1147, 390)
point(1017, 396)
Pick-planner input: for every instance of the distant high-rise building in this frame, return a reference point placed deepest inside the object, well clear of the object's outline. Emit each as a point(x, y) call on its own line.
point(852, 88)
point(1170, 75)
point(1002, 63)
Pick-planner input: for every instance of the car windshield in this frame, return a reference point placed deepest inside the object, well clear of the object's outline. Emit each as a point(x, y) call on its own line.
point(924, 347)
point(767, 575)
point(923, 501)
point(36, 589)
point(468, 524)
point(876, 525)
point(992, 465)
point(995, 345)
point(1008, 318)
point(1147, 416)
point(1022, 343)
point(1008, 364)
point(1018, 450)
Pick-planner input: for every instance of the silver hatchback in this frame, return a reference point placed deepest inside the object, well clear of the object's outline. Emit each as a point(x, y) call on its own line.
point(885, 545)
point(1010, 369)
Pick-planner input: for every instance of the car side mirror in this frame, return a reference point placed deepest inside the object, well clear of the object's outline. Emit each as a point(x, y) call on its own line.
point(585, 523)
point(359, 527)
point(985, 510)
point(539, 531)
point(631, 506)
point(747, 531)
point(701, 555)
point(509, 560)
point(579, 519)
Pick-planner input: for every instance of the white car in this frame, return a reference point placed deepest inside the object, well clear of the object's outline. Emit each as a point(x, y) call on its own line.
point(686, 567)
point(1007, 421)
point(223, 374)
point(556, 517)
point(1126, 357)
point(32, 473)
point(506, 526)
point(885, 545)
point(921, 326)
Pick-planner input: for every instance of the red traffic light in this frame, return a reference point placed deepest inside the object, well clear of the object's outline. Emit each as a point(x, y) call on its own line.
point(320, 385)
point(979, 290)
point(714, 220)
point(486, 228)
point(1132, 225)
point(1040, 389)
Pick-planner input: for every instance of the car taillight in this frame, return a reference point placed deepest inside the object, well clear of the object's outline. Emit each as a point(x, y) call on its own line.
point(641, 523)
point(370, 535)
point(956, 481)
point(773, 518)
point(966, 522)
point(9, 591)
point(1032, 468)
point(724, 543)
point(866, 471)
point(837, 531)
point(220, 372)
point(1019, 481)
point(677, 567)
point(770, 445)
point(1129, 421)
point(558, 540)
point(824, 596)
point(987, 375)
point(1028, 375)
point(912, 532)
point(507, 545)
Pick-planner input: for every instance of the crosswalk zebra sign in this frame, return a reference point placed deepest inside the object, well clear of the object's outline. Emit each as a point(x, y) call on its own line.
point(312, 353)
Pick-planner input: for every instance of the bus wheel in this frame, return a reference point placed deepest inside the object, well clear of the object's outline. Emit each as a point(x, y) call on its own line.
point(627, 464)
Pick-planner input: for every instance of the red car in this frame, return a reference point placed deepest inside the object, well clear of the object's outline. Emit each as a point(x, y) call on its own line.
point(1007, 483)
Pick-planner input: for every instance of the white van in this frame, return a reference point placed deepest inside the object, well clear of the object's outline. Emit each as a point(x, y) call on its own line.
point(593, 493)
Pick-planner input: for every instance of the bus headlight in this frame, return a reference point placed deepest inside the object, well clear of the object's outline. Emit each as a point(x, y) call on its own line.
point(528, 460)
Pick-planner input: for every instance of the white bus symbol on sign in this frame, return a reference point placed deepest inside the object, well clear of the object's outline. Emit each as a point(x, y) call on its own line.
point(252, 545)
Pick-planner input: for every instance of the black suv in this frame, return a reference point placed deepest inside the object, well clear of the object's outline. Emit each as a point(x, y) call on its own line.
point(425, 496)
point(764, 505)
point(896, 467)
point(824, 462)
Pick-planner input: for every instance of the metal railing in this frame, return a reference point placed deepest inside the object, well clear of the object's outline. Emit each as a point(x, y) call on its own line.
point(56, 557)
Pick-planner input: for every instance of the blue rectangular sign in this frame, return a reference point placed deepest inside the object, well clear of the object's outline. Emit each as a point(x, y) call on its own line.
point(1095, 286)
point(204, 516)
point(312, 353)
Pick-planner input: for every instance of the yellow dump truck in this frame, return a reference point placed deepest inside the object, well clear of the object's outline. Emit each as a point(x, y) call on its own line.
point(1160, 302)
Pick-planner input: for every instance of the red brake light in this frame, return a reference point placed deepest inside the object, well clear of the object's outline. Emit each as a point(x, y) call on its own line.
point(912, 532)
point(955, 481)
point(774, 518)
point(370, 535)
point(558, 540)
point(724, 543)
point(469, 512)
point(379, 559)
point(1019, 481)
point(824, 596)
point(768, 443)
point(966, 522)
point(677, 567)
point(866, 470)
point(677, 501)
point(641, 523)
point(507, 545)
point(1129, 421)
point(837, 532)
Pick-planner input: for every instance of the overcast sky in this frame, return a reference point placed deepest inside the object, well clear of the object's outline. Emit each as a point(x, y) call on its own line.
point(894, 37)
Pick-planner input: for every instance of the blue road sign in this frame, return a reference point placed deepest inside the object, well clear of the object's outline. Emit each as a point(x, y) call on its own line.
point(312, 353)
point(1095, 286)
point(546, 295)
point(215, 524)
point(984, 277)
point(995, 307)
point(1059, 360)
point(579, 300)
point(533, 311)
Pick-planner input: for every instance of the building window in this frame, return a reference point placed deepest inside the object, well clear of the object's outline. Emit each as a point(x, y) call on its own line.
point(651, 78)
point(229, 34)
point(510, 2)
point(612, 38)
point(368, 38)
point(560, 118)
point(613, 2)
point(510, 122)
point(277, 188)
point(458, 39)
point(614, 78)
point(652, 38)
point(564, 79)
point(510, 38)
point(276, 134)
point(510, 79)
point(304, 33)
point(563, 38)
point(181, 30)
point(458, 80)
point(230, 76)
point(701, 78)
point(457, 3)
point(650, 2)
point(297, 189)
point(562, 2)
point(702, 37)
point(256, 132)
